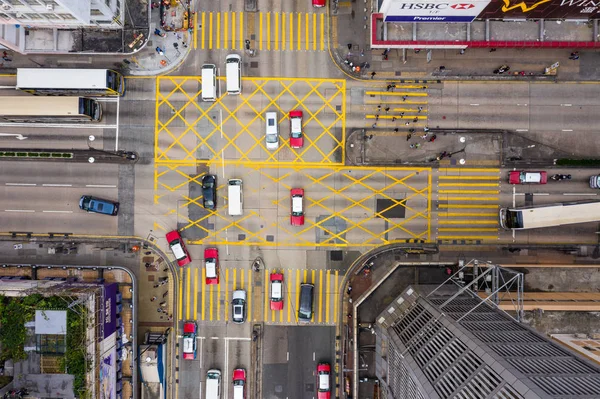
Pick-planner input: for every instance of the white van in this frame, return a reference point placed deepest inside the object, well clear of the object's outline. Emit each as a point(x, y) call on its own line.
point(233, 72)
point(271, 131)
point(209, 82)
point(213, 384)
point(235, 197)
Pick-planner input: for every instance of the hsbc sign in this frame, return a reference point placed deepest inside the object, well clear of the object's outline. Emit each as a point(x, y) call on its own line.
point(431, 11)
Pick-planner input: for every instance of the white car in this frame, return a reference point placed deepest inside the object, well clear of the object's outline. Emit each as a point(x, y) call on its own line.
point(272, 131)
point(238, 304)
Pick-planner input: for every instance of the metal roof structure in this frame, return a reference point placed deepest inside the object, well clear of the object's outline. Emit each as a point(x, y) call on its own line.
point(450, 343)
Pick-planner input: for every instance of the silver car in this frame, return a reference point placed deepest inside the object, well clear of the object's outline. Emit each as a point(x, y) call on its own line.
point(238, 304)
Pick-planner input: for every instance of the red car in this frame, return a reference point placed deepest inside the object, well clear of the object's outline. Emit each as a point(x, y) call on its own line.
point(323, 381)
point(276, 299)
point(297, 216)
point(318, 3)
point(189, 340)
point(522, 177)
point(239, 383)
point(211, 264)
point(178, 248)
point(296, 135)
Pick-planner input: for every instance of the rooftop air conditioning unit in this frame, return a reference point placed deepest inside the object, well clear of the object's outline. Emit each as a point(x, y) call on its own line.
point(50, 7)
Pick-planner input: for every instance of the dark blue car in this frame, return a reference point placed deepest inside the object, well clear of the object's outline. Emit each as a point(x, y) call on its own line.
point(98, 205)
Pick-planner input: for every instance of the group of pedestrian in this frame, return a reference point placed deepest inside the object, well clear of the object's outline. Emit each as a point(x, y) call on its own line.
point(574, 55)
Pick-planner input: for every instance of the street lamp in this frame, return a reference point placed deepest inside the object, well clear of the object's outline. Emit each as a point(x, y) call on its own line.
point(17, 136)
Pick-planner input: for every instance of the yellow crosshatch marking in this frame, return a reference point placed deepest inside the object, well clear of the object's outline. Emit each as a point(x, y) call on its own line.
point(357, 206)
point(231, 129)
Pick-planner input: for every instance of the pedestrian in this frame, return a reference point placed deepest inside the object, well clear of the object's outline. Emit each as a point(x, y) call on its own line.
point(159, 51)
point(393, 118)
point(411, 130)
point(160, 310)
point(156, 285)
point(388, 87)
point(153, 299)
point(417, 145)
point(148, 253)
point(163, 304)
point(401, 114)
point(408, 136)
point(393, 85)
point(462, 51)
point(425, 129)
point(376, 117)
point(387, 109)
point(147, 265)
point(396, 130)
point(415, 120)
point(407, 123)
point(379, 107)
point(165, 294)
point(424, 137)
point(374, 125)
point(6, 58)
point(153, 6)
point(373, 74)
point(184, 44)
point(404, 98)
point(442, 68)
point(349, 46)
point(432, 139)
point(157, 32)
point(349, 290)
point(412, 145)
point(492, 50)
point(362, 53)
point(170, 318)
point(574, 55)
point(420, 109)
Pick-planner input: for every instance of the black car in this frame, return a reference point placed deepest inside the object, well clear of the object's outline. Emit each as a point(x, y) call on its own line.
point(209, 191)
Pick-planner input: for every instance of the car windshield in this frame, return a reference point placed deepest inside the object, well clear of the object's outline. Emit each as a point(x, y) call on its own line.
point(271, 138)
point(178, 250)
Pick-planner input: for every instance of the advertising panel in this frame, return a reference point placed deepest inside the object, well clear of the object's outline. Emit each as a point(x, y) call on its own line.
point(108, 368)
point(538, 9)
point(110, 309)
point(431, 10)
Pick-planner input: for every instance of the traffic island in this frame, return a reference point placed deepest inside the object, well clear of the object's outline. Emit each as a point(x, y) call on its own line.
point(77, 156)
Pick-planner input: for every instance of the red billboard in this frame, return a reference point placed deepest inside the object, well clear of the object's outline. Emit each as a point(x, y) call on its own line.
point(538, 9)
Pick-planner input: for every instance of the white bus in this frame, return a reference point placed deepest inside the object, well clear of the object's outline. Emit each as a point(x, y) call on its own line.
point(535, 217)
point(49, 109)
point(56, 81)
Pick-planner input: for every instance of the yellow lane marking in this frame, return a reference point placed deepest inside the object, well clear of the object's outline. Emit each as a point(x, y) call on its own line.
point(203, 30)
point(495, 178)
point(299, 33)
point(268, 31)
point(288, 292)
point(429, 180)
point(196, 30)
point(469, 184)
point(266, 290)
point(468, 191)
point(463, 170)
point(226, 294)
point(260, 29)
point(472, 199)
point(306, 30)
point(313, 281)
point(188, 283)
point(233, 14)
point(448, 222)
point(225, 30)
point(456, 206)
point(297, 293)
point(241, 31)
point(283, 33)
point(335, 295)
point(291, 31)
point(470, 230)
point(250, 295)
point(328, 295)
point(321, 287)
point(218, 288)
point(276, 31)
point(467, 238)
point(180, 311)
point(392, 117)
point(218, 30)
point(210, 34)
point(396, 93)
point(195, 293)
point(448, 214)
point(211, 296)
point(203, 295)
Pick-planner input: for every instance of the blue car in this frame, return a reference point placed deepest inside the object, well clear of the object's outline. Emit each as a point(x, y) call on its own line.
point(98, 205)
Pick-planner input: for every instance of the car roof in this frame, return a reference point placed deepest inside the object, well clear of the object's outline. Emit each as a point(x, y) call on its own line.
point(188, 344)
point(239, 294)
point(276, 288)
point(178, 251)
point(296, 204)
point(533, 177)
point(211, 269)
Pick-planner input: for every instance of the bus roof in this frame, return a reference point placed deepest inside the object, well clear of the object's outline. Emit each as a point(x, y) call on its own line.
point(61, 78)
point(39, 105)
point(559, 214)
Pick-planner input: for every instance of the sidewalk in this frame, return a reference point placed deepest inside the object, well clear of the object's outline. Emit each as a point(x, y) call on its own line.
point(353, 40)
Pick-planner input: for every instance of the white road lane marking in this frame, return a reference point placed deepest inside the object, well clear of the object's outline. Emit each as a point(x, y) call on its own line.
point(475, 105)
point(57, 211)
point(57, 185)
point(566, 105)
point(567, 130)
point(579, 194)
point(101, 185)
point(226, 390)
point(288, 356)
point(20, 184)
point(19, 210)
point(522, 130)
